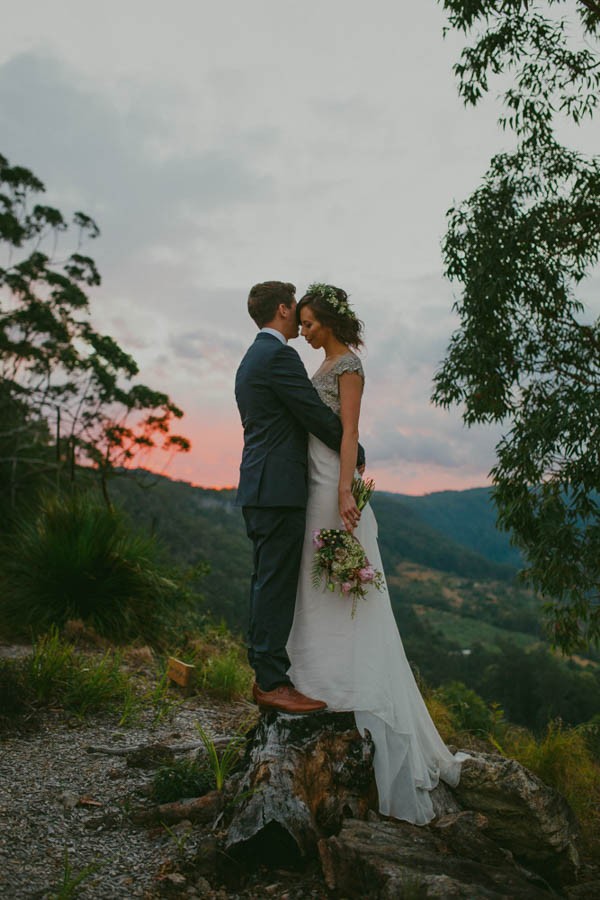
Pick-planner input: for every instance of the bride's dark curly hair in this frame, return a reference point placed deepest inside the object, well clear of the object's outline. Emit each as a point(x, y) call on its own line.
point(331, 308)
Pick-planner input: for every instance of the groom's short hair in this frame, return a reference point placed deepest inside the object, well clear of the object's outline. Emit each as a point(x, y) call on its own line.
point(264, 298)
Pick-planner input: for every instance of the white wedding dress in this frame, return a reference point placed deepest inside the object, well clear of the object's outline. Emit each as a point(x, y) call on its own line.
point(359, 664)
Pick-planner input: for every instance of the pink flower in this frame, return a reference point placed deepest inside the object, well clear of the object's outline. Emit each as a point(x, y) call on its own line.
point(367, 574)
point(316, 539)
point(347, 587)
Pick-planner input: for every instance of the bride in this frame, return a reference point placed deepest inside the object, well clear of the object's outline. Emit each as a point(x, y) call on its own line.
point(358, 663)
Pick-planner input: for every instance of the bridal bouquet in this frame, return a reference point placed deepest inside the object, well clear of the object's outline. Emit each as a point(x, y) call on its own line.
point(340, 558)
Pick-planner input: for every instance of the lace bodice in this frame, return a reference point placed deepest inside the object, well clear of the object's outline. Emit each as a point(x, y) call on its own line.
point(327, 384)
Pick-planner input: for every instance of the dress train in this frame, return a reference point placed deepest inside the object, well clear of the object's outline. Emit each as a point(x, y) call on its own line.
point(360, 665)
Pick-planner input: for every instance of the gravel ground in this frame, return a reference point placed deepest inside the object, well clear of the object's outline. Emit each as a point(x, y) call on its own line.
point(56, 796)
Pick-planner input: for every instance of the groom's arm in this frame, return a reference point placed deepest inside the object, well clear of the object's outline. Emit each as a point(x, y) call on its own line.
point(293, 387)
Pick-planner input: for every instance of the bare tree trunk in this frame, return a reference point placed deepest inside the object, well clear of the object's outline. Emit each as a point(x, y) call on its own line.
point(104, 484)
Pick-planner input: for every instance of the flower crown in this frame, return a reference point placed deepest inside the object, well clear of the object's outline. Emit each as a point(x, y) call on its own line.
point(327, 293)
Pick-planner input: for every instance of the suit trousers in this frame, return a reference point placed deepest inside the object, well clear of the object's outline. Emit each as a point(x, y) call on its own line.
point(277, 535)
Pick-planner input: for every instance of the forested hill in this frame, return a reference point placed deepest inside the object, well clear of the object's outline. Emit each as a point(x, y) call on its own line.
point(468, 517)
point(201, 524)
point(435, 534)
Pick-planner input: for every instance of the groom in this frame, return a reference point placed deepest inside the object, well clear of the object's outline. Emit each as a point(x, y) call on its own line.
point(279, 407)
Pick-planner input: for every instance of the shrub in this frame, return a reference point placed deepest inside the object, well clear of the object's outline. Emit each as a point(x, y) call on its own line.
point(591, 732)
point(469, 712)
point(78, 559)
point(184, 778)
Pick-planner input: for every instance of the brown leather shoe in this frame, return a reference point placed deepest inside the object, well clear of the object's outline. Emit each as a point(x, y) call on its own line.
point(286, 698)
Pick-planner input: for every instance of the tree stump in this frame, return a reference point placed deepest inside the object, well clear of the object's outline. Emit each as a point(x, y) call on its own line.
point(303, 775)
point(307, 786)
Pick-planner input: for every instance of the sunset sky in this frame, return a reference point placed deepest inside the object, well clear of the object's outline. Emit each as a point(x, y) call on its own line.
point(218, 145)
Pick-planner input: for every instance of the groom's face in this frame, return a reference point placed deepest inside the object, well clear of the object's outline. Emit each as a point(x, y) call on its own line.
point(291, 323)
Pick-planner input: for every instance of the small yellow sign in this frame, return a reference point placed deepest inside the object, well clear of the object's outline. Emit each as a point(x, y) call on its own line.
point(179, 672)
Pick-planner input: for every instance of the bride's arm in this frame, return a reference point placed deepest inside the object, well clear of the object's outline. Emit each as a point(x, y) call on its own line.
point(351, 388)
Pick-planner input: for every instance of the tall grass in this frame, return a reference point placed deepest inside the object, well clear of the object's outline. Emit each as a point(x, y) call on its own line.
point(562, 758)
point(226, 676)
point(77, 559)
point(184, 778)
point(68, 888)
point(220, 660)
point(224, 763)
point(56, 675)
point(441, 716)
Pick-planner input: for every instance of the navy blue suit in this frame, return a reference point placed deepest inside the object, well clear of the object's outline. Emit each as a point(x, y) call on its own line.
point(279, 407)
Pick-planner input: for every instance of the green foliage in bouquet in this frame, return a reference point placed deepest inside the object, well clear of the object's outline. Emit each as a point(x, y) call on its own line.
point(342, 561)
point(362, 490)
point(340, 558)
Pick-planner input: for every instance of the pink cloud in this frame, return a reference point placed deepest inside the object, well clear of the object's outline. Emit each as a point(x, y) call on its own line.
point(217, 448)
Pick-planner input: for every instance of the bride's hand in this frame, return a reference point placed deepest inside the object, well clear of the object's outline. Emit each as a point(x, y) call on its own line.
point(349, 511)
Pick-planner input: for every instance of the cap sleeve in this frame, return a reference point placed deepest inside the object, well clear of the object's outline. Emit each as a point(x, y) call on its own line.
point(349, 363)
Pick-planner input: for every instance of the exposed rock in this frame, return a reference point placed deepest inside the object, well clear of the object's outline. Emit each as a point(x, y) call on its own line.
point(391, 859)
point(523, 814)
point(443, 801)
point(69, 799)
point(588, 890)
point(303, 775)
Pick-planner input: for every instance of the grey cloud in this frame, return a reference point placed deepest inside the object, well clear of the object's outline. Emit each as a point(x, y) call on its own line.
point(346, 109)
point(450, 447)
point(387, 446)
point(76, 141)
point(205, 347)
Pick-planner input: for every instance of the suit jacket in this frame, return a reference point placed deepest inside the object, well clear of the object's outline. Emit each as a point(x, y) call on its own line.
point(279, 407)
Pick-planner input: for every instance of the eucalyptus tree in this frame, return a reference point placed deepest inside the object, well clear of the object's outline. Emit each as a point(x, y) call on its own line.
point(527, 351)
point(67, 395)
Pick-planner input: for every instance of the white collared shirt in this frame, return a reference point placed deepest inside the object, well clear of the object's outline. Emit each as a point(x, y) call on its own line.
point(275, 333)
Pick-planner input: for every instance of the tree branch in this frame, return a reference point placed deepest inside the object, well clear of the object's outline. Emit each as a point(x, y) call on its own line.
point(592, 5)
